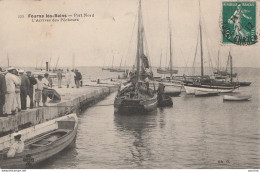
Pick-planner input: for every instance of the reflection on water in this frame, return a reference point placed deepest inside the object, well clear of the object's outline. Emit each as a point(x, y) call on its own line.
point(139, 126)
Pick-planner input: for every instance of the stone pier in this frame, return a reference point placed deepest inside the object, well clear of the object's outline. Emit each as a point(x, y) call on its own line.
point(71, 98)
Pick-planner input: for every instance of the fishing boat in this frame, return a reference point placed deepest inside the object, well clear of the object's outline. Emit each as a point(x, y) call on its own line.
point(167, 71)
point(205, 83)
point(172, 87)
point(236, 97)
point(137, 97)
point(206, 93)
point(41, 141)
point(223, 74)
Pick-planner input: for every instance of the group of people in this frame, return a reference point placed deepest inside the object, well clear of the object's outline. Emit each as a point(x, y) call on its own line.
point(16, 85)
point(73, 78)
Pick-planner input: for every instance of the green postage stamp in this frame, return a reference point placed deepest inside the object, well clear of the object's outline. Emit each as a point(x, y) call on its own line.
point(239, 22)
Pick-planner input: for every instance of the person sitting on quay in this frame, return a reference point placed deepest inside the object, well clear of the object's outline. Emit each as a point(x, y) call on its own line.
point(33, 81)
point(38, 91)
point(2, 92)
point(46, 84)
point(25, 85)
point(10, 100)
point(17, 146)
point(59, 76)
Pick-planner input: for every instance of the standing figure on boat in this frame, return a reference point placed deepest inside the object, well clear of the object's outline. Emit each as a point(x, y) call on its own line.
point(160, 91)
point(17, 146)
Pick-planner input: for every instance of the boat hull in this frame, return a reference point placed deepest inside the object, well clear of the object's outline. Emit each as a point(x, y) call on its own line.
point(190, 89)
point(206, 93)
point(236, 98)
point(166, 71)
point(29, 158)
point(130, 106)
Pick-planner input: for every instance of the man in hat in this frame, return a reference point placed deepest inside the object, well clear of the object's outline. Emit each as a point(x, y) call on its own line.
point(17, 146)
point(2, 92)
point(11, 81)
point(33, 81)
point(25, 85)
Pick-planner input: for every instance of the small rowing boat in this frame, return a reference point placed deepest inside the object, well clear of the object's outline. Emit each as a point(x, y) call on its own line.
point(206, 93)
point(236, 97)
point(41, 141)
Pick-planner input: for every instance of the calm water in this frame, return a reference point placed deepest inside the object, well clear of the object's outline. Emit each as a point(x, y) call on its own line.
point(195, 133)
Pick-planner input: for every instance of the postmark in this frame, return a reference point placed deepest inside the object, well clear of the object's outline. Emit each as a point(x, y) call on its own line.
point(238, 24)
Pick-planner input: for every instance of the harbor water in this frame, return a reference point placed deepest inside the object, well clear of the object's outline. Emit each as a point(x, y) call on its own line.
point(202, 132)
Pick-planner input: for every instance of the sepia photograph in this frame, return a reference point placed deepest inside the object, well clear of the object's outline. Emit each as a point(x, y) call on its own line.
point(129, 84)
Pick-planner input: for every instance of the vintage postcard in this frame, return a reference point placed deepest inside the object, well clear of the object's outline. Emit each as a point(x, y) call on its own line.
point(130, 84)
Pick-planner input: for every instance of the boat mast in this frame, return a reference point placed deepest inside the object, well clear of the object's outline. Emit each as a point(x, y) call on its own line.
point(7, 60)
point(218, 60)
point(139, 52)
point(201, 48)
point(73, 62)
point(57, 63)
point(161, 60)
point(170, 39)
point(113, 63)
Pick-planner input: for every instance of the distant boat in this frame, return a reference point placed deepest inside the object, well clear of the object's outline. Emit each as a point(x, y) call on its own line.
point(236, 97)
point(206, 93)
point(137, 97)
point(42, 141)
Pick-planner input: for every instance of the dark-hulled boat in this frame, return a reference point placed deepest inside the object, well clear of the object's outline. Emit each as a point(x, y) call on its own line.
point(167, 71)
point(137, 97)
point(41, 142)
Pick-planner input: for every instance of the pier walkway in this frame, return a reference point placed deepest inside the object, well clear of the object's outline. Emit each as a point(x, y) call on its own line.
point(70, 97)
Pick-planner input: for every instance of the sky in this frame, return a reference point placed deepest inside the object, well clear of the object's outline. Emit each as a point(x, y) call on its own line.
point(93, 41)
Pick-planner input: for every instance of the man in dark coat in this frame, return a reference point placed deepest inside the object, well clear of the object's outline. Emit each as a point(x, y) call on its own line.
point(33, 81)
point(78, 77)
point(2, 92)
point(25, 85)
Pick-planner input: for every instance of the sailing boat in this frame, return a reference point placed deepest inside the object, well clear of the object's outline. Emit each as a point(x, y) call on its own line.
point(168, 70)
point(118, 69)
point(137, 97)
point(172, 87)
point(204, 83)
point(223, 74)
